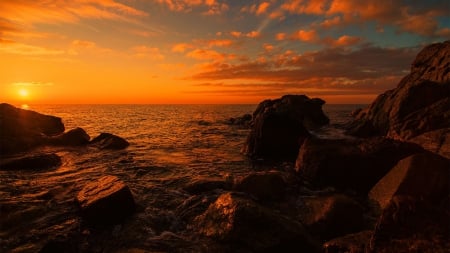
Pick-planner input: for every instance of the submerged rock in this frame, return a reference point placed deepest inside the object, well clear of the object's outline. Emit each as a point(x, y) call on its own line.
point(243, 121)
point(21, 129)
point(239, 221)
point(350, 164)
point(31, 162)
point(279, 126)
point(106, 201)
point(420, 103)
point(74, 137)
point(109, 141)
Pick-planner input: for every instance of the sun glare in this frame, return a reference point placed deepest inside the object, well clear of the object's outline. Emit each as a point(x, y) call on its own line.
point(23, 92)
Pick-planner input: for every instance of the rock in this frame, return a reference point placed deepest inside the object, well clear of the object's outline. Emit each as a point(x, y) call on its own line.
point(31, 162)
point(109, 141)
point(414, 200)
point(350, 164)
point(21, 129)
point(419, 104)
point(269, 185)
point(429, 171)
point(243, 120)
point(279, 126)
point(74, 137)
point(437, 141)
point(106, 201)
point(236, 220)
point(204, 185)
point(331, 216)
point(352, 243)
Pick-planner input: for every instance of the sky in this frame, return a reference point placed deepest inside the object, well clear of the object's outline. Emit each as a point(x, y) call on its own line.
point(210, 51)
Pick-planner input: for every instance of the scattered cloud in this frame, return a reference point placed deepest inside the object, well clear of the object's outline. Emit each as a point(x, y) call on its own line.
point(143, 51)
point(213, 7)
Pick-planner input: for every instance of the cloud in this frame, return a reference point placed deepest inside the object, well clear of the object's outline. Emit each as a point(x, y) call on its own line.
point(12, 47)
point(251, 34)
point(366, 68)
point(33, 84)
point(203, 54)
point(343, 41)
point(181, 47)
point(30, 12)
point(305, 35)
point(143, 51)
point(213, 7)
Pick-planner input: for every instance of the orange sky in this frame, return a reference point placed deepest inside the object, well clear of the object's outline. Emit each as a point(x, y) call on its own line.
point(210, 51)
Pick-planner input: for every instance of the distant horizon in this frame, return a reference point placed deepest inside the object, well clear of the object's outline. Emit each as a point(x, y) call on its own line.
point(211, 51)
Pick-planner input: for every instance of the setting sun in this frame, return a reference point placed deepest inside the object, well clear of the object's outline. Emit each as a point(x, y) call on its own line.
point(23, 93)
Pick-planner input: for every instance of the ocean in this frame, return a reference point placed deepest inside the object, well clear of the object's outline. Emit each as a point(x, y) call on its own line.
point(170, 146)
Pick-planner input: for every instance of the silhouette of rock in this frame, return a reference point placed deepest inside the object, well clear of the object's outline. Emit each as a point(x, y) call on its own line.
point(279, 126)
point(419, 104)
point(437, 141)
point(350, 164)
point(243, 121)
point(265, 186)
point(415, 203)
point(352, 243)
point(234, 219)
point(331, 216)
point(21, 129)
point(31, 162)
point(74, 137)
point(106, 201)
point(109, 141)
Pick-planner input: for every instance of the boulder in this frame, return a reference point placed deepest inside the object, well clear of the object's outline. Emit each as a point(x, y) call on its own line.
point(414, 201)
point(106, 201)
point(420, 103)
point(31, 162)
point(74, 137)
point(279, 126)
point(243, 121)
point(350, 164)
point(437, 141)
point(204, 185)
point(237, 220)
point(269, 185)
point(21, 129)
point(421, 176)
point(352, 243)
point(331, 216)
point(109, 141)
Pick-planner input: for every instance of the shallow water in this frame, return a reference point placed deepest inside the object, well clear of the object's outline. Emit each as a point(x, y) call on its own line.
point(170, 145)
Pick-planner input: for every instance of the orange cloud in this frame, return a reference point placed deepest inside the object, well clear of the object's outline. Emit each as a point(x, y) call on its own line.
point(213, 7)
point(202, 54)
point(304, 35)
point(181, 47)
point(143, 51)
point(252, 34)
point(219, 43)
point(262, 8)
point(280, 36)
point(343, 41)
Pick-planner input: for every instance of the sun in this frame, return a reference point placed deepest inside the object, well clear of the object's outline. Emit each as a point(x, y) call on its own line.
point(23, 93)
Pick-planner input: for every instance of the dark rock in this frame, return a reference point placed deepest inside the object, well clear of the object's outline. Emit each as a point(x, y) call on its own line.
point(422, 176)
point(352, 243)
point(31, 162)
point(415, 202)
point(74, 137)
point(350, 164)
point(233, 219)
point(269, 185)
point(193, 207)
point(204, 185)
point(21, 129)
point(106, 201)
point(243, 120)
point(331, 216)
point(279, 126)
point(420, 103)
point(437, 141)
point(109, 141)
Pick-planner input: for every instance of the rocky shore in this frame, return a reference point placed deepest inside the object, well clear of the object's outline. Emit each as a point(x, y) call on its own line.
point(386, 189)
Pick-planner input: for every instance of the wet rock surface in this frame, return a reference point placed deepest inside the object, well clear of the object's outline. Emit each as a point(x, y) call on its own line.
point(266, 186)
point(239, 220)
point(109, 141)
point(31, 162)
point(106, 201)
point(73, 137)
